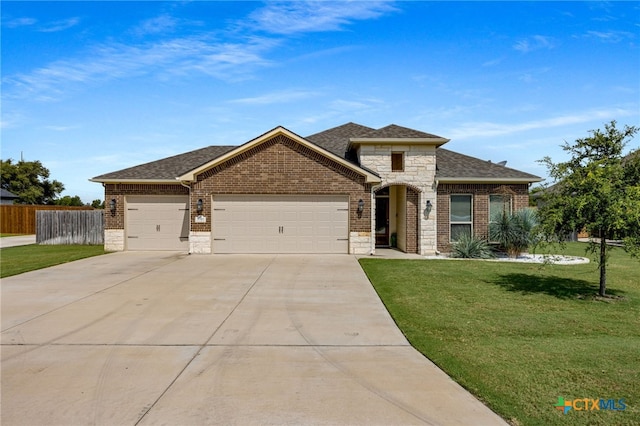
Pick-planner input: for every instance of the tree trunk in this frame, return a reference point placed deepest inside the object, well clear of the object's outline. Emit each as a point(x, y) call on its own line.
point(603, 264)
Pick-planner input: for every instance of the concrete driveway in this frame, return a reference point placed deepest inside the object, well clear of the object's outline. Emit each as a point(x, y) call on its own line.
point(165, 338)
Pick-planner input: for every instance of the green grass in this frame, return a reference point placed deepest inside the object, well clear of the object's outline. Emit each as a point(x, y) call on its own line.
point(519, 336)
point(17, 260)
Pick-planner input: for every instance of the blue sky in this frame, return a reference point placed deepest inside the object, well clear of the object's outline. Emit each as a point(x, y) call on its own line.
point(93, 87)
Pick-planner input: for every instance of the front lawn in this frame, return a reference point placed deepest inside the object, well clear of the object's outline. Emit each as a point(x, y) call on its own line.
point(16, 260)
point(519, 336)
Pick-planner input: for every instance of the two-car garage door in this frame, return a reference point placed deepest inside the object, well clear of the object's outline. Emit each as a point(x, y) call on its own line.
point(280, 224)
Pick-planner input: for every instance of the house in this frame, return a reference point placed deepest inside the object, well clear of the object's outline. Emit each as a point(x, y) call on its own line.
point(7, 197)
point(348, 189)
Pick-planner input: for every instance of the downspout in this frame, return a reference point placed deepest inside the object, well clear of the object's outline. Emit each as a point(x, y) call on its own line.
point(436, 182)
point(189, 188)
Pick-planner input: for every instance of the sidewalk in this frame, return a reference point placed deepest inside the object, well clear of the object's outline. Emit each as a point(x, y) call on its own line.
point(21, 240)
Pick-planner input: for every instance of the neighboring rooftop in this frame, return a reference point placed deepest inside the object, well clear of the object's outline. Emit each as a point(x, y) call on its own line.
point(7, 194)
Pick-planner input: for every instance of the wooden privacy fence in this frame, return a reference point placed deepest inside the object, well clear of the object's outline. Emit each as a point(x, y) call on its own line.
point(21, 218)
point(54, 227)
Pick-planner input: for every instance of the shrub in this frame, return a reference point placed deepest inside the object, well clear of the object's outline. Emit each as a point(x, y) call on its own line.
point(470, 247)
point(514, 231)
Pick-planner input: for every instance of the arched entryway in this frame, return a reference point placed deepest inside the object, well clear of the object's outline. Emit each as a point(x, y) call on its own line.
point(396, 217)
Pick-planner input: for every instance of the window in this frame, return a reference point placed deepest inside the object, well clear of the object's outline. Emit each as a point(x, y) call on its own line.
point(397, 161)
point(461, 216)
point(498, 204)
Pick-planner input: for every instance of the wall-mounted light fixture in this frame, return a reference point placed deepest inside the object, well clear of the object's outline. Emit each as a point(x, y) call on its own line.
point(360, 206)
point(112, 206)
point(428, 208)
point(199, 206)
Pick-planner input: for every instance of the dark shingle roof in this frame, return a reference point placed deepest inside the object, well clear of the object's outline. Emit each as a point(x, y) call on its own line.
point(451, 164)
point(394, 131)
point(169, 168)
point(336, 140)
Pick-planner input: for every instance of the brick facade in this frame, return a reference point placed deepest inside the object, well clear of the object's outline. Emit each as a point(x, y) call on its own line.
point(119, 191)
point(412, 220)
point(284, 167)
point(279, 166)
point(480, 193)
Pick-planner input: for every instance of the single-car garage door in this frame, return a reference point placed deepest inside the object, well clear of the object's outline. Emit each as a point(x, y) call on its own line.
point(280, 224)
point(157, 223)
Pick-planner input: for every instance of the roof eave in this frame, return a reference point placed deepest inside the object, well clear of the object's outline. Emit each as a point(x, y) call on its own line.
point(400, 141)
point(487, 180)
point(137, 181)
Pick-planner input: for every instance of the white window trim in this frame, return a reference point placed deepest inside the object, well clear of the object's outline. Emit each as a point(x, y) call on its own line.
point(460, 223)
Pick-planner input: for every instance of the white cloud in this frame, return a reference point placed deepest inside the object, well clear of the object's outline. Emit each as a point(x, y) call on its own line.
point(488, 129)
point(20, 22)
point(11, 119)
point(532, 43)
point(159, 24)
point(492, 62)
point(179, 56)
point(61, 25)
point(610, 36)
point(312, 16)
point(233, 59)
point(276, 97)
point(61, 128)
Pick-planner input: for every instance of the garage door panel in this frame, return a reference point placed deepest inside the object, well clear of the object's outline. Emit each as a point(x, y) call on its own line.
point(280, 224)
point(157, 223)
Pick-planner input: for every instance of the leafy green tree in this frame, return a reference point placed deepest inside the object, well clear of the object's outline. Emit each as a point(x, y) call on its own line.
point(29, 180)
point(598, 190)
point(97, 204)
point(68, 200)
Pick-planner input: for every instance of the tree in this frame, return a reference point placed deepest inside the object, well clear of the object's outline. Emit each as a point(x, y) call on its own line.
point(598, 190)
point(68, 200)
point(29, 180)
point(97, 204)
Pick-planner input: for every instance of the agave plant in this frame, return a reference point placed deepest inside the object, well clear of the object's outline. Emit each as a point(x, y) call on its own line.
point(514, 231)
point(470, 247)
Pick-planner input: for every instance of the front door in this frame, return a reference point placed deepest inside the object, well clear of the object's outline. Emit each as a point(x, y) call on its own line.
point(382, 221)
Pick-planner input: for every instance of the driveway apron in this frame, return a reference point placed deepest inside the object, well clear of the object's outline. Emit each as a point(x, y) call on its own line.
point(164, 338)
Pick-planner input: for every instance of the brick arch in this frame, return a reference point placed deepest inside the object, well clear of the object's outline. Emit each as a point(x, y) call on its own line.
point(412, 214)
point(388, 184)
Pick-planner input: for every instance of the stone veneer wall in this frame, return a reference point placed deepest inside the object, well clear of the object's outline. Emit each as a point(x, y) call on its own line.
point(419, 174)
point(480, 192)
